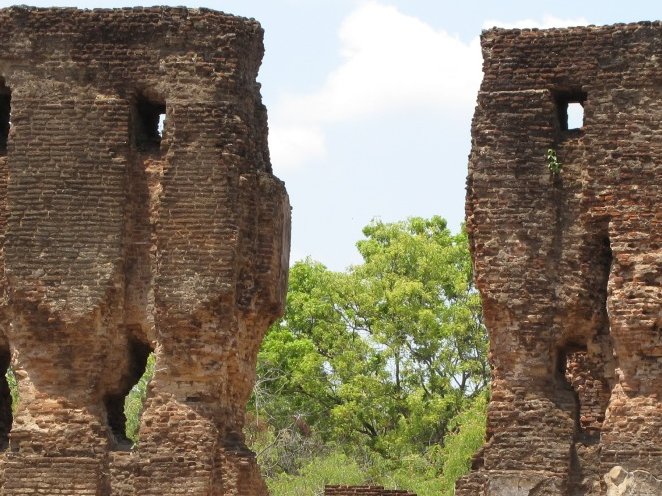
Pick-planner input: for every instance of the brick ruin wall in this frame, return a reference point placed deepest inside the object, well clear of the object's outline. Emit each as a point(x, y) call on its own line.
point(569, 265)
point(118, 240)
point(343, 490)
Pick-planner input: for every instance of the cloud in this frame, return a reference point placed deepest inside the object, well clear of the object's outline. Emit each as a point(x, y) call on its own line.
point(389, 62)
point(547, 21)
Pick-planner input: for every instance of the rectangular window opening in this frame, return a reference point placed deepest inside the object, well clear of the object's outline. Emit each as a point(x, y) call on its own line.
point(575, 116)
point(148, 123)
point(5, 116)
point(161, 124)
point(570, 109)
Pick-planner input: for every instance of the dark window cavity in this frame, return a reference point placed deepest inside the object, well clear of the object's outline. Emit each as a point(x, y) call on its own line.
point(115, 401)
point(5, 116)
point(148, 123)
point(8, 391)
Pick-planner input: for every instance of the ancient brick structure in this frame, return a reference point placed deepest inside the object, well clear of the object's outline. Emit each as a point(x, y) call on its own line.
point(364, 491)
point(119, 238)
point(569, 264)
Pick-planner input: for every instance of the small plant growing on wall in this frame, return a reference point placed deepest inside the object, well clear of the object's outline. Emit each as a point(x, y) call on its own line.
point(553, 163)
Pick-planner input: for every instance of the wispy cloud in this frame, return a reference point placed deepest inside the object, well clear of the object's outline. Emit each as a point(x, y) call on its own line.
point(390, 62)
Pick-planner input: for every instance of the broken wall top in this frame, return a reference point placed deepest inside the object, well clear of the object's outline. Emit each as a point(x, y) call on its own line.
point(565, 230)
point(86, 68)
point(138, 214)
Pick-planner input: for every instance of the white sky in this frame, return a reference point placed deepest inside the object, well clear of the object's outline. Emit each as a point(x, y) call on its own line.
point(370, 102)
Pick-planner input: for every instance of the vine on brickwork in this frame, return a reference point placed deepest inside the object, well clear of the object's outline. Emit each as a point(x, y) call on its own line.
point(553, 163)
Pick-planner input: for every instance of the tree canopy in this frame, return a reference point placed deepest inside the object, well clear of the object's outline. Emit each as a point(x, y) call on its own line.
point(380, 361)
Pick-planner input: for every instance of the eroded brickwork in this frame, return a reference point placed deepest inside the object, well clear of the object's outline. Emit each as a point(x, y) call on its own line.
point(569, 265)
point(341, 490)
point(119, 239)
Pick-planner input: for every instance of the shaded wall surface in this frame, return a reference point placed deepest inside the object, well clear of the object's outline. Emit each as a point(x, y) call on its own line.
point(569, 264)
point(119, 239)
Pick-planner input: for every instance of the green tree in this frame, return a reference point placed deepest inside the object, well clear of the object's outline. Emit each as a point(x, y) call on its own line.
point(381, 358)
point(414, 301)
point(465, 438)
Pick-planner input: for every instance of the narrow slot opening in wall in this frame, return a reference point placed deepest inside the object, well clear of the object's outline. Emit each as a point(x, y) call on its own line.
point(565, 369)
point(584, 374)
point(5, 116)
point(123, 421)
point(148, 123)
point(604, 258)
point(134, 403)
point(8, 391)
point(161, 124)
point(570, 109)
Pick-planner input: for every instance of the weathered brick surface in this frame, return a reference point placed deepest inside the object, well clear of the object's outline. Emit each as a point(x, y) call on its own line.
point(116, 242)
point(342, 490)
point(569, 266)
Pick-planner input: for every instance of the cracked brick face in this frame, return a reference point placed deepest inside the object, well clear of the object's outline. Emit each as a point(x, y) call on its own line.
point(138, 213)
point(569, 264)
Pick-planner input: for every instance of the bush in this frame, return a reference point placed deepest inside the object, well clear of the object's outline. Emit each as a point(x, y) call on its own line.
point(333, 468)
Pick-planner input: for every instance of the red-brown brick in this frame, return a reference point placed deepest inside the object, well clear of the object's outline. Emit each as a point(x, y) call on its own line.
point(342, 490)
point(116, 240)
point(569, 264)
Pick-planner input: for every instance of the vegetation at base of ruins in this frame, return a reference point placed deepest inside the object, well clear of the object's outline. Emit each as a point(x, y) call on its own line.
point(378, 374)
point(296, 465)
point(465, 439)
point(553, 163)
point(134, 402)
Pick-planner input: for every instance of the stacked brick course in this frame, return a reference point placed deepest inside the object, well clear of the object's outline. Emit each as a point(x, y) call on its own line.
point(363, 491)
point(118, 240)
point(569, 265)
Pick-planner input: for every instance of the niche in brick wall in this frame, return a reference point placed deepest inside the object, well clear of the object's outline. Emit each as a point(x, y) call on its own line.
point(567, 395)
point(5, 115)
point(116, 402)
point(6, 379)
point(584, 375)
point(148, 121)
point(570, 109)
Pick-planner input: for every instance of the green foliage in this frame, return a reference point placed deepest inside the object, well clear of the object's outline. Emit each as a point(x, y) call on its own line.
point(285, 450)
point(377, 361)
point(334, 467)
point(133, 404)
point(13, 388)
point(313, 464)
point(465, 438)
point(553, 163)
